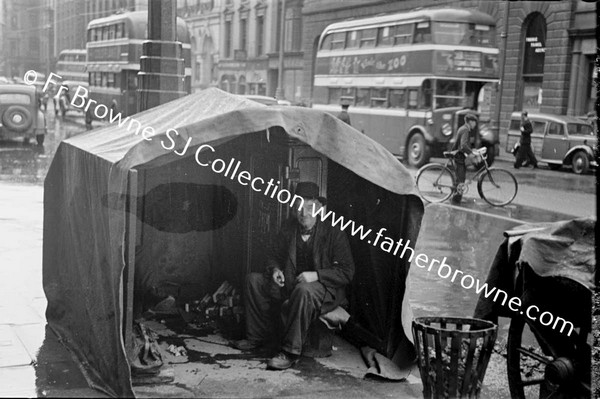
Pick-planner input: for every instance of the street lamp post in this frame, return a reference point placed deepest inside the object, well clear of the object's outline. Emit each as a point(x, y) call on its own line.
point(279, 92)
point(504, 39)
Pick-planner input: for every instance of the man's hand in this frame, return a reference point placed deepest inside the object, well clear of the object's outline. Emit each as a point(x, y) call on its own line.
point(278, 277)
point(307, 277)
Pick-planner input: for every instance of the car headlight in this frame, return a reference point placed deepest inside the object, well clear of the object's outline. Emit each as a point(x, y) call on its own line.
point(446, 129)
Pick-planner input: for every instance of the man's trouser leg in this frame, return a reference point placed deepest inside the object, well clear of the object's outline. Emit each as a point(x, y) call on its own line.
point(461, 174)
point(520, 157)
point(530, 155)
point(262, 298)
point(302, 309)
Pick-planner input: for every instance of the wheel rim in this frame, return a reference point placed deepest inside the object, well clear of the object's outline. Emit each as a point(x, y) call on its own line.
point(526, 365)
point(578, 164)
point(435, 183)
point(497, 187)
point(416, 151)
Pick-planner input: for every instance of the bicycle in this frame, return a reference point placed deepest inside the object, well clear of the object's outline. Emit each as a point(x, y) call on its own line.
point(436, 182)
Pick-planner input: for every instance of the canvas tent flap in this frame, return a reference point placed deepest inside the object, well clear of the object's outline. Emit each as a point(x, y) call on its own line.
point(85, 204)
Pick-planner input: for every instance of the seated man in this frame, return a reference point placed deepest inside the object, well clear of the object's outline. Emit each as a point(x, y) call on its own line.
point(307, 272)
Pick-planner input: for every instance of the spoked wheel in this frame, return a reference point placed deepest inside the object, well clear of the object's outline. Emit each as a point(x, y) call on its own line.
point(526, 364)
point(534, 370)
point(498, 187)
point(435, 182)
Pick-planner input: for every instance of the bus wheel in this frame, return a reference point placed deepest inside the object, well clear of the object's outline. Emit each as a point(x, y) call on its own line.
point(417, 151)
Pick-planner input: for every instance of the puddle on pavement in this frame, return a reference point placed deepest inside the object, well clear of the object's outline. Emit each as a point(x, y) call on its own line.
point(469, 241)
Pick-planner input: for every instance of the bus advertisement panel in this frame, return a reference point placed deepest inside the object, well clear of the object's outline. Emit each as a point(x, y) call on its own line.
point(114, 48)
point(410, 77)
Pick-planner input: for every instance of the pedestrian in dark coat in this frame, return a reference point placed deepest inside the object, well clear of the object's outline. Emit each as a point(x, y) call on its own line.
point(525, 152)
point(343, 115)
point(307, 272)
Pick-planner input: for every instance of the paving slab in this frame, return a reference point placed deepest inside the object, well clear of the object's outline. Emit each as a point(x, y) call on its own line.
point(12, 350)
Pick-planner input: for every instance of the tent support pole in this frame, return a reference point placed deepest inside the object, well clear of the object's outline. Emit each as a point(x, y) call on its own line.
point(131, 235)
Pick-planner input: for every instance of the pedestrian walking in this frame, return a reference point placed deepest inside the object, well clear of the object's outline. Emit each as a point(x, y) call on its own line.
point(525, 153)
point(463, 149)
point(343, 115)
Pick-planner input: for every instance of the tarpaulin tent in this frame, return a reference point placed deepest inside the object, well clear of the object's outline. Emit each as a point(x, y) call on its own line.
point(140, 193)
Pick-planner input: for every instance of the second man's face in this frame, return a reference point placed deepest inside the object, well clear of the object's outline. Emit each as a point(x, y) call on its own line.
point(305, 216)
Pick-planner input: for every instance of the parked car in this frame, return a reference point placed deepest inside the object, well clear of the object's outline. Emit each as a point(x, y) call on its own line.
point(20, 114)
point(266, 100)
point(557, 140)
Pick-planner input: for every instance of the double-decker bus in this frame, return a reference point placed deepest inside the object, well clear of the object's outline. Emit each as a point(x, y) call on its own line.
point(114, 48)
point(409, 77)
point(71, 65)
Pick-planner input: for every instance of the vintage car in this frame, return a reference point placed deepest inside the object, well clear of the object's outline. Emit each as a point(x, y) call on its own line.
point(20, 115)
point(557, 140)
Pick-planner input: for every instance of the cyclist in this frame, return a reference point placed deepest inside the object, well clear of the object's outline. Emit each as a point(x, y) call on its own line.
point(463, 149)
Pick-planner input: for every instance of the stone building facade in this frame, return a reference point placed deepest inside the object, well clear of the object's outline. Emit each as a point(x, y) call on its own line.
point(203, 19)
point(550, 48)
point(235, 45)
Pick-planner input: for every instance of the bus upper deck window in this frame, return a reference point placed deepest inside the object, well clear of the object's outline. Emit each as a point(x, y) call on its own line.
point(367, 38)
point(352, 39)
point(338, 41)
point(326, 44)
point(422, 33)
point(403, 34)
point(384, 36)
point(119, 31)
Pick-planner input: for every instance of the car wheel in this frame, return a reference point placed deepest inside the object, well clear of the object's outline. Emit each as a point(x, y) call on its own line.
point(580, 163)
point(554, 166)
point(417, 151)
point(17, 118)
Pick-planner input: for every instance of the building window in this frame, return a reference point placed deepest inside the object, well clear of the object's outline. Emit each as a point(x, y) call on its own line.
point(242, 85)
point(293, 29)
point(243, 33)
point(198, 72)
point(260, 34)
point(534, 51)
point(227, 40)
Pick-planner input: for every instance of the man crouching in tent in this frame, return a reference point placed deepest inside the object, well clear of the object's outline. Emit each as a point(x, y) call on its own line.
point(307, 272)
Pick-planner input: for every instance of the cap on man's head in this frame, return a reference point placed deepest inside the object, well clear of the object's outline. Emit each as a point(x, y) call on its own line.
point(471, 117)
point(309, 190)
point(345, 103)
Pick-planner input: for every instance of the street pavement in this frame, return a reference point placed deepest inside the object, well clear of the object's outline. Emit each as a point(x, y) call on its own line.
point(33, 362)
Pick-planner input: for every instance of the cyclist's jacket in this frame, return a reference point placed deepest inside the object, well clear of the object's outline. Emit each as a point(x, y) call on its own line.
point(463, 141)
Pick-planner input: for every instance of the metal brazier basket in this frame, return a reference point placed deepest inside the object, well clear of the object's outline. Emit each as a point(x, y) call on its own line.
point(453, 354)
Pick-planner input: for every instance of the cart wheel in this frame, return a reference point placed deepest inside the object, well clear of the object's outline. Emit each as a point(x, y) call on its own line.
point(526, 364)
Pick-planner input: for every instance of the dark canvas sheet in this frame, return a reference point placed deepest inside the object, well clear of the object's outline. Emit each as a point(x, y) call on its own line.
point(86, 197)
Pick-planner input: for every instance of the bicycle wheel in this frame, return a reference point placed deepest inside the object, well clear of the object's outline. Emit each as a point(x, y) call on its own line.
point(435, 182)
point(497, 187)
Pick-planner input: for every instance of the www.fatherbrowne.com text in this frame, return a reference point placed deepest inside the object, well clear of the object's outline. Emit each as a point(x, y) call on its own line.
point(272, 189)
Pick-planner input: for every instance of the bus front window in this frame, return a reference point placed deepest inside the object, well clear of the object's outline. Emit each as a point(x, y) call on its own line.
point(465, 34)
point(449, 93)
point(422, 33)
